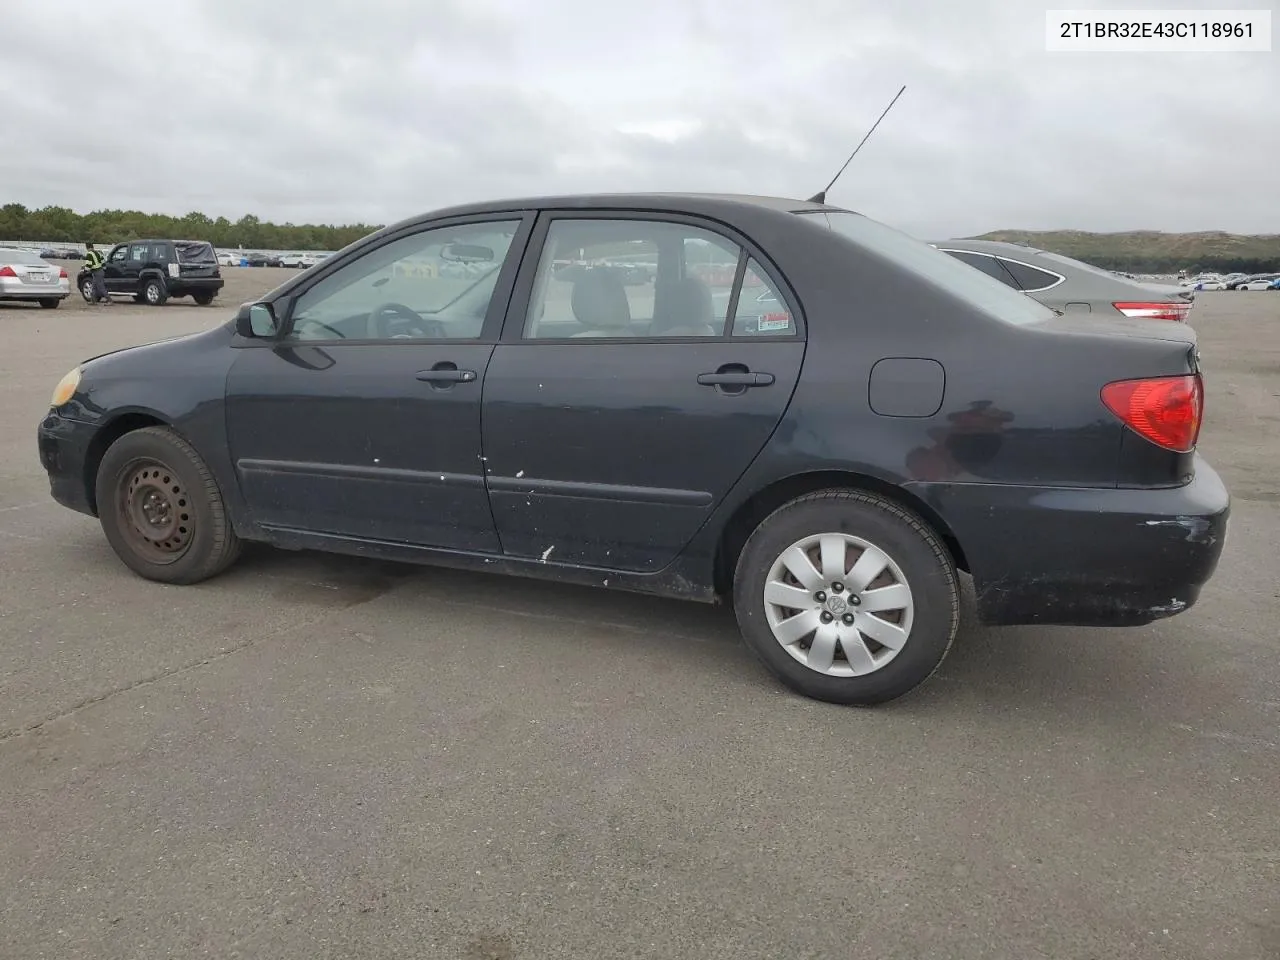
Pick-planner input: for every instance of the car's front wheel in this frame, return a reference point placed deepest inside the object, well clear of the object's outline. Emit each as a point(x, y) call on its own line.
point(847, 597)
point(86, 289)
point(154, 293)
point(161, 509)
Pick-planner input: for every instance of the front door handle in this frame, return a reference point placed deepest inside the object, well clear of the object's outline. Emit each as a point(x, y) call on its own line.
point(449, 374)
point(737, 379)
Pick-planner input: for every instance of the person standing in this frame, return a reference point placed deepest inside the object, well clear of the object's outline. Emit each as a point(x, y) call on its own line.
point(96, 264)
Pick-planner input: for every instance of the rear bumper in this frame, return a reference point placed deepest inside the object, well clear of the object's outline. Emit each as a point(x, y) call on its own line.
point(17, 290)
point(64, 447)
point(1087, 557)
point(181, 286)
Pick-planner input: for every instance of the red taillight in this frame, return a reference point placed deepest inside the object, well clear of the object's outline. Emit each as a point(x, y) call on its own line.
point(7, 271)
point(1165, 410)
point(1157, 310)
point(62, 273)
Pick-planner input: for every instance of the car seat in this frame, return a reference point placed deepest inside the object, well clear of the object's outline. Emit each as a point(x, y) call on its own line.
point(690, 312)
point(600, 304)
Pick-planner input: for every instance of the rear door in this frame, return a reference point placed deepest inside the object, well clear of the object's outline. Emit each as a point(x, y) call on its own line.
point(621, 405)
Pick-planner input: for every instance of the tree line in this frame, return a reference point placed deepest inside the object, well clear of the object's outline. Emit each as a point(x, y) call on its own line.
point(63, 225)
point(1148, 251)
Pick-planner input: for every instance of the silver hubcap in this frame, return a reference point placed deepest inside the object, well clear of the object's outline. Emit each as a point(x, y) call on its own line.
point(838, 604)
point(153, 293)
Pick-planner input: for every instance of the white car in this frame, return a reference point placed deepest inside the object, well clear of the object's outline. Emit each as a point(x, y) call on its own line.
point(24, 277)
point(299, 261)
point(228, 259)
point(1263, 283)
point(1204, 283)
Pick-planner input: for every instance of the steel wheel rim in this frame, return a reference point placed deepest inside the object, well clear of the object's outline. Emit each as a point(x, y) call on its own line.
point(155, 512)
point(839, 605)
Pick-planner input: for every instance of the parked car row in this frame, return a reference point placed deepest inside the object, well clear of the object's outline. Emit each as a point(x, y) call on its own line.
point(1232, 281)
point(294, 261)
point(872, 417)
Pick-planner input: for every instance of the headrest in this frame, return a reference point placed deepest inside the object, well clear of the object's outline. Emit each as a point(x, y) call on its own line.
point(600, 300)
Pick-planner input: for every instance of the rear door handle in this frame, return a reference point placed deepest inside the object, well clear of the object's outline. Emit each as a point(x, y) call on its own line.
point(446, 375)
point(746, 379)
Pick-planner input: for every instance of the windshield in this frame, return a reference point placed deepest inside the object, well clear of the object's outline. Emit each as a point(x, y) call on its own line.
point(933, 266)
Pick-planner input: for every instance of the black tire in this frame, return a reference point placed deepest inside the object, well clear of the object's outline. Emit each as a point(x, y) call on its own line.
point(51, 303)
point(202, 299)
point(920, 556)
point(154, 292)
point(155, 461)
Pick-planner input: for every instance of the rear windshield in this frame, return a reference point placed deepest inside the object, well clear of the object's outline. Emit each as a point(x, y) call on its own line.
point(12, 255)
point(1079, 264)
point(196, 253)
point(933, 266)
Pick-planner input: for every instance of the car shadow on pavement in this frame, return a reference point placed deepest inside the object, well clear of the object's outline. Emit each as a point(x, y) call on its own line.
point(1050, 670)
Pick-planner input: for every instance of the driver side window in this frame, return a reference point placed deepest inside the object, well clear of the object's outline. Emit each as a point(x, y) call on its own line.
point(431, 285)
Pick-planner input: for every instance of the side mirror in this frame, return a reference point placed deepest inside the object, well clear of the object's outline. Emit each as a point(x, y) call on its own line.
point(259, 321)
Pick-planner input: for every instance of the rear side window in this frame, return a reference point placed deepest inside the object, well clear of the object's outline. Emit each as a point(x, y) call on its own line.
point(1029, 278)
point(934, 267)
point(196, 253)
point(988, 265)
point(761, 310)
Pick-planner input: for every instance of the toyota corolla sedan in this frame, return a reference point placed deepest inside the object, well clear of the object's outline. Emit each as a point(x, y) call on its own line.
point(807, 415)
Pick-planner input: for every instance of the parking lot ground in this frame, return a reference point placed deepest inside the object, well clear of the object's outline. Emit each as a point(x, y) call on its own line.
point(316, 757)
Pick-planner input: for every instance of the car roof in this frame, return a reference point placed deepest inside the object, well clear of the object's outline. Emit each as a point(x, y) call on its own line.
point(704, 203)
point(989, 246)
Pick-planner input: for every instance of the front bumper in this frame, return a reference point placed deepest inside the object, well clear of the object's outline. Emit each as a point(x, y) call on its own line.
point(64, 449)
point(1087, 556)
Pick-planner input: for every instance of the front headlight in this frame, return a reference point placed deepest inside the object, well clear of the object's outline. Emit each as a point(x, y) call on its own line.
point(66, 388)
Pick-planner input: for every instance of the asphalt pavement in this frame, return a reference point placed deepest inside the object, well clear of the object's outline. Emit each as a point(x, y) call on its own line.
point(315, 757)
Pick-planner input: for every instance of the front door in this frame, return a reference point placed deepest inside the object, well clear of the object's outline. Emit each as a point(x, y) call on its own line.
point(621, 406)
point(115, 269)
point(363, 420)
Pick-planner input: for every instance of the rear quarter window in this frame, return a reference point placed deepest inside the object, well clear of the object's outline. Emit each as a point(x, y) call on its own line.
point(1030, 279)
point(196, 253)
point(934, 267)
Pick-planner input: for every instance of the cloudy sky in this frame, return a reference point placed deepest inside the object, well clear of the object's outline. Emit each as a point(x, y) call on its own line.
point(371, 110)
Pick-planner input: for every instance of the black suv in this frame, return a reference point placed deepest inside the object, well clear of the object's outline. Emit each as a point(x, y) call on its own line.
point(152, 271)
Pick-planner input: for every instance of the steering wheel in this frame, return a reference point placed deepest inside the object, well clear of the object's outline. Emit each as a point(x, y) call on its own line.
point(395, 321)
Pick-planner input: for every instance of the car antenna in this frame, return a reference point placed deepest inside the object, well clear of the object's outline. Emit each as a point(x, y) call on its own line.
point(821, 195)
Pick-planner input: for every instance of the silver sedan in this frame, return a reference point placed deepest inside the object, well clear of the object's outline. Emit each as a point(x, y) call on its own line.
point(25, 277)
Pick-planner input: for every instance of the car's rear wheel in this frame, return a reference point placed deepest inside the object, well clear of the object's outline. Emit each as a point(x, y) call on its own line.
point(203, 299)
point(51, 303)
point(847, 597)
point(154, 293)
point(161, 509)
